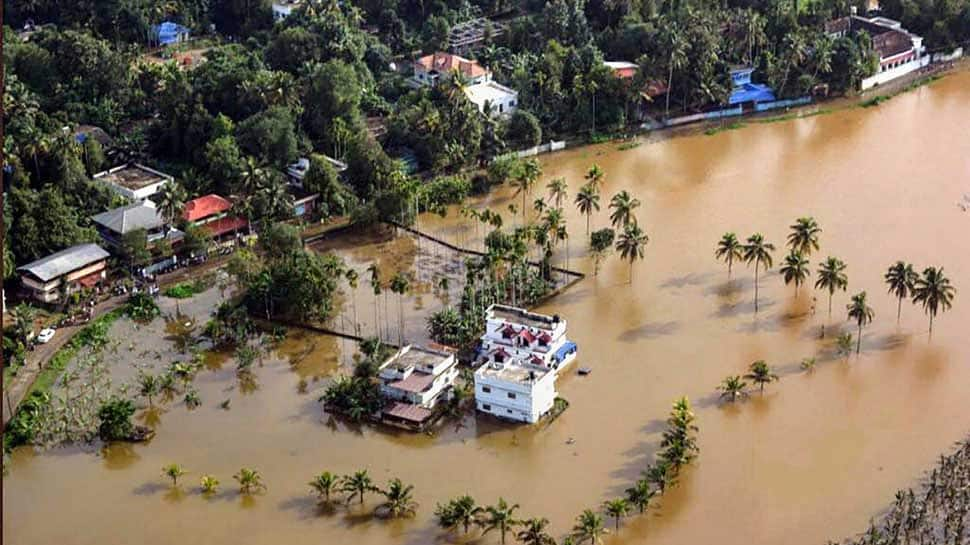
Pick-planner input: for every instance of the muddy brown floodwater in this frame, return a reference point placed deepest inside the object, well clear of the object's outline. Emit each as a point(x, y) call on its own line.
point(812, 459)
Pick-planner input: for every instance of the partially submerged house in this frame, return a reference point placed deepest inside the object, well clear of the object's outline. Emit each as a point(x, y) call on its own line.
point(900, 51)
point(521, 354)
point(133, 181)
point(64, 272)
point(413, 381)
point(746, 93)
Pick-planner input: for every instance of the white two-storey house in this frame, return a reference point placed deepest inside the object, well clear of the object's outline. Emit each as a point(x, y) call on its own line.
point(413, 381)
point(521, 354)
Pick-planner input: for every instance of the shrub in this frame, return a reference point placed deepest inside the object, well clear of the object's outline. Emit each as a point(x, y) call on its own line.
point(115, 417)
point(523, 130)
point(141, 307)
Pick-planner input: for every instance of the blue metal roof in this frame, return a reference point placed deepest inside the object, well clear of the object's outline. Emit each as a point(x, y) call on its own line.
point(566, 349)
point(751, 92)
point(169, 32)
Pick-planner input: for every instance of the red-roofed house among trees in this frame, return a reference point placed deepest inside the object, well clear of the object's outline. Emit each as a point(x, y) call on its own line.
point(214, 214)
point(900, 51)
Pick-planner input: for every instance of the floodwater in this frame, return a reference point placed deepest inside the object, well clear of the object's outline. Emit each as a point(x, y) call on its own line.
point(812, 459)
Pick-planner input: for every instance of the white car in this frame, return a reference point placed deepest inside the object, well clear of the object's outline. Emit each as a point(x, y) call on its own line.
point(45, 335)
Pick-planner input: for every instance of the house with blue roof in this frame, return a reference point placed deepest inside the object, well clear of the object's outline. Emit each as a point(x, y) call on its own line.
point(169, 33)
point(746, 93)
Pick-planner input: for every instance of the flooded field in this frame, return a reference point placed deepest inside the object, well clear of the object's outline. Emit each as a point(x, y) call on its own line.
point(812, 459)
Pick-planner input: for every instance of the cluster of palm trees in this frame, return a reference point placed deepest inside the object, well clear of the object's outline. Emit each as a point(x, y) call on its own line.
point(932, 290)
point(631, 242)
point(250, 481)
point(399, 284)
point(735, 387)
point(398, 497)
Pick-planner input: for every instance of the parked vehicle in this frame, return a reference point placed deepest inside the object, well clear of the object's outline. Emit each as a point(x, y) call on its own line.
point(45, 335)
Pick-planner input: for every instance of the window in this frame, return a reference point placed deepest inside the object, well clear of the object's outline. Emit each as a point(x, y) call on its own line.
point(486, 389)
point(511, 395)
point(508, 411)
point(486, 407)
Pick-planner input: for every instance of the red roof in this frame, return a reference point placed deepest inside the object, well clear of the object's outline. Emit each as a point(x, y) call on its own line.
point(537, 360)
point(527, 335)
point(406, 411)
point(446, 62)
point(225, 225)
point(545, 337)
point(206, 206)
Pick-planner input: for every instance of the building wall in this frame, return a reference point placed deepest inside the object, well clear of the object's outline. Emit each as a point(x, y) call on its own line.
point(531, 401)
point(893, 73)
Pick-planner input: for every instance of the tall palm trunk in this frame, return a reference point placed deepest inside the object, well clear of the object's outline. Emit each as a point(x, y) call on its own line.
point(756, 266)
point(858, 342)
point(899, 309)
point(670, 80)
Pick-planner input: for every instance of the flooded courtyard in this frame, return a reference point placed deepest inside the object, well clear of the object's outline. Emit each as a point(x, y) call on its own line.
point(814, 458)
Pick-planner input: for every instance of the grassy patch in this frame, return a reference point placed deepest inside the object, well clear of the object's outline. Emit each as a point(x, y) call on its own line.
point(721, 128)
point(794, 115)
point(93, 333)
point(628, 145)
point(189, 288)
point(874, 101)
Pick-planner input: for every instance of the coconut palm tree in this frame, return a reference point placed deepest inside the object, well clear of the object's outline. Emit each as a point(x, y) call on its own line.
point(173, 471)
point(729, 250)
point(524, 179)
point(375, 284)
point(357, 484)
point(23, 321)
point(400, 285)
point(588, 201)
point(758, 251)
point(589, 528)
point(901, 279)
point(661, 475)
point(631, 245)
point(499, 517)
point(803, 238)
point(640, 494)
point(533, 532)
point(148, 386)
point(353, 279)
point(398, 499)
point(595, 176)
point(862, 313)
point(250, 481)
point(461, 511)
point(622, 205)
point(324, 484)
point(795, 270)
point(558, 190)
point(209, 484)
point(732, 388)
point(171, 201)
point(617, 508)
point(760, 373)
point(676, 46)
point(934, 291)
point(831, 277)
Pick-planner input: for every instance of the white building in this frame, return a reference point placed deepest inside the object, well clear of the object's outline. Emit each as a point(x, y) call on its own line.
point(521, 354)
point(431, 69)
point(900, 51)
point(133, 181)
point(502, 100)
point(413, 381)
point(283, 8)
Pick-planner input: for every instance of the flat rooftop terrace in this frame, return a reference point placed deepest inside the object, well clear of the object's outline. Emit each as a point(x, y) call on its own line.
point(513, 372)
point(524, 317)
point(132, 176)
point(417, 357)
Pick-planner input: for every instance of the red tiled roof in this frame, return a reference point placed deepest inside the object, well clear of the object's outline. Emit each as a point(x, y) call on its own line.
point(204, 207)
point(446, 62)
point(545, 337)
point(416, 382)
point(406, 411)
point(537, 360)
point(225, 225)
point(527, 335)
point(500, 352)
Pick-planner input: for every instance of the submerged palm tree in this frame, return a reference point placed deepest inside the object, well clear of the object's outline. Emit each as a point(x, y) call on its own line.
point(589, 527)
point(831, 277)
point(631, 245)
point(173, 471)
point(499, 517)
point(862, 313)
point(795, 270)
point(617, 508)
point(250, 481)
point(935, 292)
point(660, 475)
point(760, 373)
point(901, 279)
point(640, 494)
point(209, 484)
point(324, 484)
point(533, 532)
point(357, 484)
point(594, 176)
point(803, 238)
point(623, 204)
point(398, 500)
point(458, 512)
point(729, 250)
point(588, 201)
point(758, 251)
point(733, 388)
